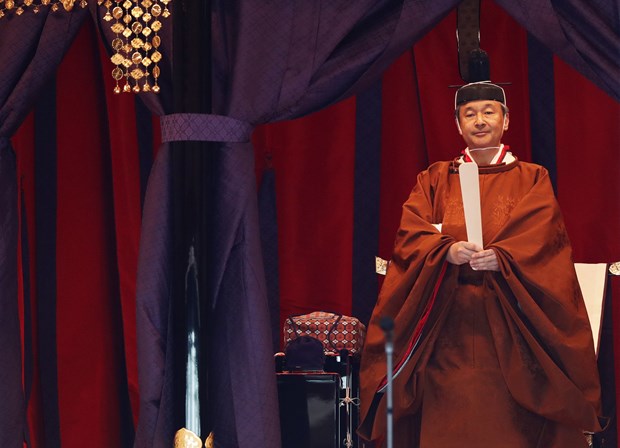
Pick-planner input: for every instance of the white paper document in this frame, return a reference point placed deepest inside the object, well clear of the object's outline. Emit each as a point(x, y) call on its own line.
point(470, 190)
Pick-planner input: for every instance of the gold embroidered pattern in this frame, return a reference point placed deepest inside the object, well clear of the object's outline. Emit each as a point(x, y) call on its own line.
point(559, 239)
point(15, 7)
point(502, 208)
point(453, 212)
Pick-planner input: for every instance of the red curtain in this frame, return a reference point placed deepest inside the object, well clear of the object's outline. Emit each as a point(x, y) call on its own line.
point(97, 233)
point(98, 213)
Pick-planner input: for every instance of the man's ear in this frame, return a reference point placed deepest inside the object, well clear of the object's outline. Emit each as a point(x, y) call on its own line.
point(506, 121)
point(458, 125)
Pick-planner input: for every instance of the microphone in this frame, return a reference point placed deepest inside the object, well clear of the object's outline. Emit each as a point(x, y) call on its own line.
point(387, 325)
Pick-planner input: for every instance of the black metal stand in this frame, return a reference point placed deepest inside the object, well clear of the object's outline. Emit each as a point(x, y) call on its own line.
point(387, 325)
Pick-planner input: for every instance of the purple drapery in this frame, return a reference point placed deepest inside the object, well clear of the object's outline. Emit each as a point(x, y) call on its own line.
point(12, 416)
point(153, 301)
point(153, 287)
point(583, 33)
point(271, 62)
point(31, 47)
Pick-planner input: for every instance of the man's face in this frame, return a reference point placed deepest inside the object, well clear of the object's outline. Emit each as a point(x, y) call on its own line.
point(482, 123)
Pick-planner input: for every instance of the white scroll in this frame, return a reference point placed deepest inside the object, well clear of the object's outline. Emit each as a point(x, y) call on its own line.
point(470, 190)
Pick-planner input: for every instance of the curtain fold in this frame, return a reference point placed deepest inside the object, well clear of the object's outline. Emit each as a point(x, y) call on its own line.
point(583, 33)
point(12, 416)
point(153, 288)
point(31, 48)
point(153, 303)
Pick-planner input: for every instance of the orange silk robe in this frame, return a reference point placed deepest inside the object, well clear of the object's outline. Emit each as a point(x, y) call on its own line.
point(506, 358)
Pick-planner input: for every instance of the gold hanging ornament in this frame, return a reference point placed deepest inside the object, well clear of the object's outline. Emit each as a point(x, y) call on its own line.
point(136, 25)
point(18, 7)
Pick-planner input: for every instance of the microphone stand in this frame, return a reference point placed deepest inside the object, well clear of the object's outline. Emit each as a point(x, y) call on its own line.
point(387, 325)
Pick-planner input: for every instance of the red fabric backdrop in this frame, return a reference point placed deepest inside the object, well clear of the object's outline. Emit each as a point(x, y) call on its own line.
point(98, 215)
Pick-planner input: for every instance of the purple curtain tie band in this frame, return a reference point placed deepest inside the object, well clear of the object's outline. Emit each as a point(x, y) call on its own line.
point(203, 128)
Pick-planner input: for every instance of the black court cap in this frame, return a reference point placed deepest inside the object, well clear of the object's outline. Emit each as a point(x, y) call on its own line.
point(476, 91)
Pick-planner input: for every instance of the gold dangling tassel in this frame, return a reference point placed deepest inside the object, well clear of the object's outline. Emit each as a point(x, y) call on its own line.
point(136, 44)
point(15, 7)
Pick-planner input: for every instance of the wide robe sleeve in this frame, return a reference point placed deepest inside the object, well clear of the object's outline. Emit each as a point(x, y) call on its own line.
point(417, 272)
point(539, 323)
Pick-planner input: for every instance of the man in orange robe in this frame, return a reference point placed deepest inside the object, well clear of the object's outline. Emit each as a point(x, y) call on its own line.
point(492, 346)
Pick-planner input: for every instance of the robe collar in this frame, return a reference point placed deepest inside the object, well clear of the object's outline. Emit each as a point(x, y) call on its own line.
point(503, 156)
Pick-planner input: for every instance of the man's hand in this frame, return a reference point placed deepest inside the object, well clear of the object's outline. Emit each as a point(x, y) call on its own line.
point(485, 260)
point(463, 252)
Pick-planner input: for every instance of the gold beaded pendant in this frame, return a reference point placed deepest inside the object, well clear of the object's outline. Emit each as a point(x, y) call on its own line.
point(136, 25)
point(16, 7)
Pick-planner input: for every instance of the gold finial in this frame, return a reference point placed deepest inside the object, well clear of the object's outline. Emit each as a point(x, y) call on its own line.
point(210, 442)
point(184, 438)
